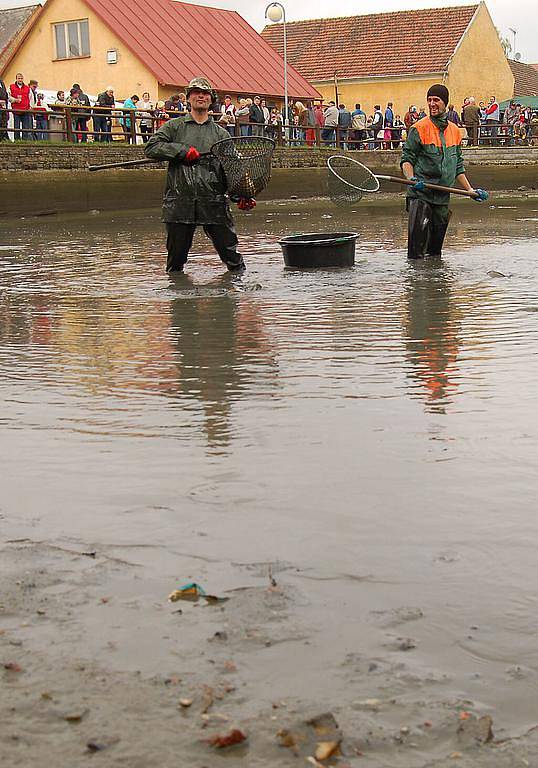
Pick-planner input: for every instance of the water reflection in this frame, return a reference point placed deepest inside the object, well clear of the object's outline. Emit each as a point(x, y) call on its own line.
point(220, 342)
point(432, 332)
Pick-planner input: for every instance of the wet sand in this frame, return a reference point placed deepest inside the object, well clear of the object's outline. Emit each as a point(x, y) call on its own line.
point(348, 457)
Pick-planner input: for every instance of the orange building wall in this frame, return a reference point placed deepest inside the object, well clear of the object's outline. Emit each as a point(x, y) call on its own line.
point(35, 59)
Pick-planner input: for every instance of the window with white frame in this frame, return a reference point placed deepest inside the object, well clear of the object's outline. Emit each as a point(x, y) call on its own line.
point(72, 39)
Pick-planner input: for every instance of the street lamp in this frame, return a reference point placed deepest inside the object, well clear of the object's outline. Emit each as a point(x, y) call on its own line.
point(276, 12)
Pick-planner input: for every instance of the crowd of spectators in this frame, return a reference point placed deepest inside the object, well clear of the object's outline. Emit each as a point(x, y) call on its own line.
point(36, 118)
point(486, 125)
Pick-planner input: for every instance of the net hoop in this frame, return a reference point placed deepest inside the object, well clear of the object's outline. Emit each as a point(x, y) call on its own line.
point(246, 162)
point(258, 146)
point(362, 168)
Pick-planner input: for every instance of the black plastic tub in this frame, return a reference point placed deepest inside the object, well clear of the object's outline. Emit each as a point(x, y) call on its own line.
point(311, 250)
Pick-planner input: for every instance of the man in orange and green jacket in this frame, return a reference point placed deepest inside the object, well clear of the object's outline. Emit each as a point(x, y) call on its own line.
point(432, 154)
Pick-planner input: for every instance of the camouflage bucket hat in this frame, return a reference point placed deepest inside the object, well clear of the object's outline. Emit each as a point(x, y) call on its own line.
point(200, 84)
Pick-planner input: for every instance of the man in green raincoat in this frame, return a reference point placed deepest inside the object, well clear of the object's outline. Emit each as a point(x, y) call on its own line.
point(432, 154)
point(196, 188)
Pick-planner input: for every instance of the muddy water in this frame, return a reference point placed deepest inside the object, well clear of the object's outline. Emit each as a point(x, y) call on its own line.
point(371, 432)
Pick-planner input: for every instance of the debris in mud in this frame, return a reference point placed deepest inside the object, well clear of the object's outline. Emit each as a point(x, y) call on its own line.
point(99, 746)
point(289, 740)
point(324, 725)
point(192, 592)
point(476, 730)
point(326, 749)
point(12, 666)
point(76, 716)
point(208, 699)
point(272, 580)
point(235, 736)
point(319, 736)
point(185, 703)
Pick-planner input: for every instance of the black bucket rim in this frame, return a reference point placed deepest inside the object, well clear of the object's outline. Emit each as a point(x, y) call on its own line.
point(330, 238)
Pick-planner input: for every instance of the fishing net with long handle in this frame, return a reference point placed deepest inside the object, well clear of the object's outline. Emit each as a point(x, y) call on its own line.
point(348, 180)
point(246, 162)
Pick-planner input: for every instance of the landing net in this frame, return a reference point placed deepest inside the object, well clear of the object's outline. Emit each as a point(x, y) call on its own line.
point(246, 161)
point(348, 180)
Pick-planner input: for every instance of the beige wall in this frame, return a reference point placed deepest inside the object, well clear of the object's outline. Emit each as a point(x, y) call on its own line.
point(35, 59)
point(401, 92)
point(479, 67)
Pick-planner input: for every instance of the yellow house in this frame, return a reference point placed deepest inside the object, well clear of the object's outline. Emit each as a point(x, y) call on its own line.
point(158, 46)
point(395, 57)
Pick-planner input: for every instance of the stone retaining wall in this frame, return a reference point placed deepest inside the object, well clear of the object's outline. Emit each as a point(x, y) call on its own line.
point(43, 180)
point(69, 157)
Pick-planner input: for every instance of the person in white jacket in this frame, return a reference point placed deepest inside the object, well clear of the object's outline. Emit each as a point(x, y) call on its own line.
point(330, 123)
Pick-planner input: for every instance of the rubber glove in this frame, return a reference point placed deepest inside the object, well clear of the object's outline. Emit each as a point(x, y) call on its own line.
point(419, 185)
point(481, 195)
point(192, 156)
point(246, 203)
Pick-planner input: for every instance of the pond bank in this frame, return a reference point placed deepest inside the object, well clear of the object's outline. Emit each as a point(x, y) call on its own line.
point(50, 179)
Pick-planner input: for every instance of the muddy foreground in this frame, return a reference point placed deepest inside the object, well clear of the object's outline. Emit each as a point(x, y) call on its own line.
point(74, 620)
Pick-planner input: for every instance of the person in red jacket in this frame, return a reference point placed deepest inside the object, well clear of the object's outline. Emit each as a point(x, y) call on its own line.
point(22, 117)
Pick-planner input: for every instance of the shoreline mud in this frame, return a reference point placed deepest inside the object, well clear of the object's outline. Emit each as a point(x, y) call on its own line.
point(73, 614)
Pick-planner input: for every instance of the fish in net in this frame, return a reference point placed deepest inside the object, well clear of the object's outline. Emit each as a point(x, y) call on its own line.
point(246, 162)
point(348, 180)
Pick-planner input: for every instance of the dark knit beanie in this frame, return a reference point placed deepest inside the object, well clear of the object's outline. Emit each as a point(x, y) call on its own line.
point(441, 91)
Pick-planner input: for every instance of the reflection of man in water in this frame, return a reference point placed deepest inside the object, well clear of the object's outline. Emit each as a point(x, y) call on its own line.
point(432, 153)
point(432, 334)
point(219, 340)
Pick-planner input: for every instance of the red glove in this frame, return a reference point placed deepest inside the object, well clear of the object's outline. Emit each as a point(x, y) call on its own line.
point(246, 203)
point(192, 156)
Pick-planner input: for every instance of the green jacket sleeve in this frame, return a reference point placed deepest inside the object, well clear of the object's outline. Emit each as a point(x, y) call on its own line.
point(161, 146)
point(460, 167)
point(411, 147)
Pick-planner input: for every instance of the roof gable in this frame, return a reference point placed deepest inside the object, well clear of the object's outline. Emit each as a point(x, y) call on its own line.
point(380, 44)
point(13, 23)
point(228, 50)
point(525, 77)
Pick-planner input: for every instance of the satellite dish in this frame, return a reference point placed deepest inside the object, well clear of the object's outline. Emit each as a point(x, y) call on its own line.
point(517, 56)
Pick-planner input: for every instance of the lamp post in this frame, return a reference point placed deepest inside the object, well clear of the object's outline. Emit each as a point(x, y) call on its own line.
point(276, 12)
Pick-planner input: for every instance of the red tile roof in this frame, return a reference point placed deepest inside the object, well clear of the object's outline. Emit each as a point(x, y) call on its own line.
point(400, 43)
point(226, 49)
point(526, 78)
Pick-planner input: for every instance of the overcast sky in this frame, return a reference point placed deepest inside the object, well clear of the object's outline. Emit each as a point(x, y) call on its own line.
point(521, 15)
